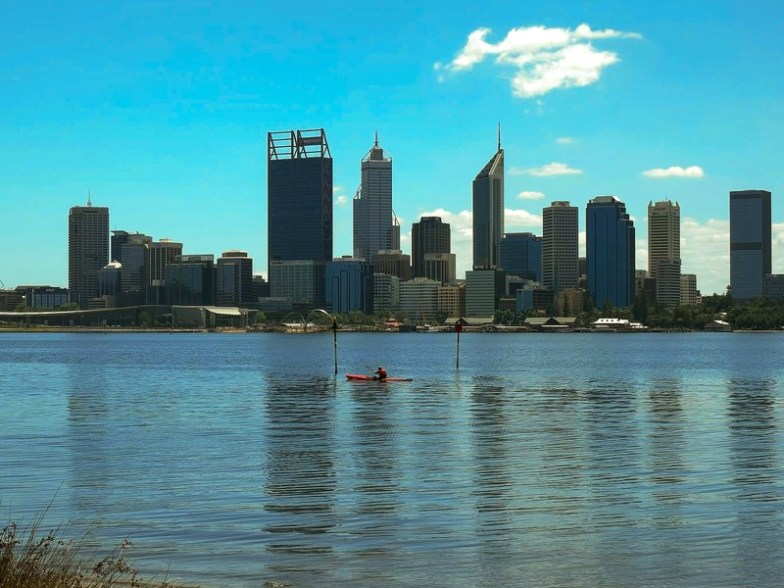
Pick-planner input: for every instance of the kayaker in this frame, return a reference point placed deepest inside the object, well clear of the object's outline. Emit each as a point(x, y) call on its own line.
point(381, 374)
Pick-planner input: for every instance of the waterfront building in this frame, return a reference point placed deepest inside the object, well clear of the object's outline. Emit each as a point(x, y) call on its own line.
point(117, 240)
point(570, 301)
point(483, 288)
point(521, 255)
point(429, 235)
point(234, 285)
point(419, 299)
point(134, 263)
point(689, 292)
point(349, 285)
point(750, 242)
point(488, 211)
point(190, 281)
point(451, 300)
point(300, 281)
point(50, 297)
point(88, 250)
point(645, 286)
point(299, 202)
point(610, 252)
point(393, 262)
point(159, 255)
point(110, 280)
point(10, 299)
point(374, 223)
point(533, 297)
point(668, 282)
point(386, 293)
point(441, 267)
point(560, 265)
point(261, 288)
point(664, 250)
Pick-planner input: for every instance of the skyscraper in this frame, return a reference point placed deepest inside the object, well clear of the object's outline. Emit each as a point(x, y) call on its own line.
point(373, 217)
point(664, 250)
point(88, 250)
point(559, 246)
point(750, 242)
point(521, 255)
point(299, 208)
point(488, 209)
point(234, 279)
point(349, 285)
point(299, 196)
point(429, 235)
point(161, 254)
point(609, 236)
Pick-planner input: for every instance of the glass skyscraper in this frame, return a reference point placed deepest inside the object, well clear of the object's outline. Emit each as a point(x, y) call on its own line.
point(488, 210)
point(750, 242)
point(373, 218)
point(521, 255)
point(609, 236)
point(299, 196)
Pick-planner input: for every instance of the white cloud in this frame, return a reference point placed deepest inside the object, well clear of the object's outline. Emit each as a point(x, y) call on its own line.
point(530, 195)
point(544, 58)
point(705, 251)
point(341, 200)
point(675, 171)
point(519, 220)
point(564, 140)
point(550, 169)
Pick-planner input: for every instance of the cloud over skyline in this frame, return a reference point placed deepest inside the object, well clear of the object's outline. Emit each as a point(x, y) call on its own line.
point(675, 171)
point(530, 195)
point(544, 58)
point(554, 168)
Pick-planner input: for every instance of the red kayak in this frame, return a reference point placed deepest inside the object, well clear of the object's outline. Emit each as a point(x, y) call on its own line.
point(364, 378)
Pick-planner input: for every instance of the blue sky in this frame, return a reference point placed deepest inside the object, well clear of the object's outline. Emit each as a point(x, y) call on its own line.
point(161, 111)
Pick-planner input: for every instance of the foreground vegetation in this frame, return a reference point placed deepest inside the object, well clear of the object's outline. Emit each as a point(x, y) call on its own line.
point(29, 560)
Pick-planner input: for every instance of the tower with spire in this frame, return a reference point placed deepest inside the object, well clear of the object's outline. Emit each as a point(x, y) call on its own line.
point(88, 250)
point(488, 211)
point(375, 226)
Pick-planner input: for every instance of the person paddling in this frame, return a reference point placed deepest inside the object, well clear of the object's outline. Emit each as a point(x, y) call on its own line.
point(381, 374)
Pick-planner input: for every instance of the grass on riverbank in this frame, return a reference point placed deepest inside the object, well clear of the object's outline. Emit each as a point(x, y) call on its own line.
point(32, 560)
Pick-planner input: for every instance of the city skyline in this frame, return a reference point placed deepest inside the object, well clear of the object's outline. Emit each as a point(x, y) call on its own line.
point(162, 115)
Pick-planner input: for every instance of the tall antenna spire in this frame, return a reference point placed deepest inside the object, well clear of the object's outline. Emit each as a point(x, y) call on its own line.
point(376, 140)
point(89, 198)
point(499, 135)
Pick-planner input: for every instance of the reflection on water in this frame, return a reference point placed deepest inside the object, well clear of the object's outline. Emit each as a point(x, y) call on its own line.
point(232, 465)
point(299, 467)
point(90, 434)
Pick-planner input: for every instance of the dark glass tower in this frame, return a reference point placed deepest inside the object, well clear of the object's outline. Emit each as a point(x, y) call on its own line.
point(750, 242)
point(609, 236)
point(429, 235)
point(521, 255)
point(299, 196)
point(488, 209)
point(88, 250)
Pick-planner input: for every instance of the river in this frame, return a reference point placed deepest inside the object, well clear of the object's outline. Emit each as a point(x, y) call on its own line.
point(548, 460)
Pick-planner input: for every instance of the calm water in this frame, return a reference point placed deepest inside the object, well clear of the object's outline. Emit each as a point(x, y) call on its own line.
point(545, 460)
